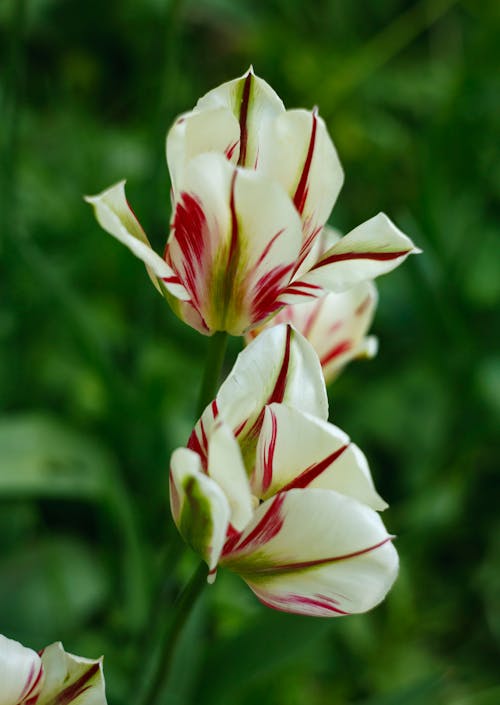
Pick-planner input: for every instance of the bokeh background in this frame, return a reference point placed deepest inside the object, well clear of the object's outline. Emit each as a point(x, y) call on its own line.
point(98, 380)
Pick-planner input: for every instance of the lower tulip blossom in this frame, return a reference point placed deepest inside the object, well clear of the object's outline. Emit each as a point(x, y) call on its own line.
point(335, 324)
point(297, 517)
point(52, 677)
point(252, 187)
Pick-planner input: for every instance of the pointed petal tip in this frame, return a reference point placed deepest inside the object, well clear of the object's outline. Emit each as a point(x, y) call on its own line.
point(413, 249)
point(98, 196)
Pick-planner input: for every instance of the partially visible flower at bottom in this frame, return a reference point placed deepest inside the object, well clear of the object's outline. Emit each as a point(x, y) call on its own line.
point(52, 677)
point(295, 512)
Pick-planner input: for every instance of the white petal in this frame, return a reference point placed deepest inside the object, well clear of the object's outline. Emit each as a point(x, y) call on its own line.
point(116, 217)
point(199, 506)
point(297, 450)
point(299, 153)
point(278, 366)
point(70, 679)
point(254, 104)
point(235, 238)
point(211, 130)
point(373, 248)
point(225, 466)
point(21, 672)
point(315, 552)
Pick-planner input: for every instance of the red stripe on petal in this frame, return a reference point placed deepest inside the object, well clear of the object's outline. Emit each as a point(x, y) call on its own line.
point(299, 292)
point(339, 349)
point(32, 682)
point(270, 525)
point(233, 247)
point(363, 306)
point(303, 565)
point(314, 471)
point(240, 428)
point(174, 496)
point(267, 291)
point(300, 196)
point(77, 688)
point(190, 232)
point(343, 256)
point(267, 248)
point(194, 443)
point(285, 604)
point(245, 100)
point(203, 435)
point(278, 393)
point(313, 317)
point(267, 474)
point(230, 150)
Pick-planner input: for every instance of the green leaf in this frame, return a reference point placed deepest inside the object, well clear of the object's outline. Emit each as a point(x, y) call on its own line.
point(40, 457)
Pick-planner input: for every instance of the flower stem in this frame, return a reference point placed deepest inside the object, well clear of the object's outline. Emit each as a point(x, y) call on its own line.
point(172, 626)
point(213, 367)
point(170, 635)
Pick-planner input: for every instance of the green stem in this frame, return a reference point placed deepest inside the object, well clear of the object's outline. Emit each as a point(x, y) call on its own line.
point(213, 367)
point(172, 626)
point(171, 634)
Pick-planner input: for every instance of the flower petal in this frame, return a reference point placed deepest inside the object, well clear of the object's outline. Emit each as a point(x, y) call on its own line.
point(297, 450)
point(299, 153)
point(335, 325)
point(278, 366)
point(21, 672)
point(225, 466)
point(116, 217)
point(210, 130)
point(315, 552)
point(373, 248)
point(235, 237)
point(71, 680)
point(199, 506)
point(230, 120)
point(254, 103)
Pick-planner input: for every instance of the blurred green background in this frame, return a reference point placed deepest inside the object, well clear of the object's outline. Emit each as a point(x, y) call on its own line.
point(98, 380)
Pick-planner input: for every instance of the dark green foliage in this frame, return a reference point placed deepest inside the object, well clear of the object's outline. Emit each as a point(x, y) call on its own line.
point(98, 380)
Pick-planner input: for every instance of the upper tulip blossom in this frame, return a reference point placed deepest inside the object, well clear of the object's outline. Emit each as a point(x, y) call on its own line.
point(252, 187)
point(279, 495)
point(52, 677)
point(336, 324)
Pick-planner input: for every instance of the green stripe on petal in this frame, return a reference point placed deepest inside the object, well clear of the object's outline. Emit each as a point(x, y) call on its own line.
point(199, 506)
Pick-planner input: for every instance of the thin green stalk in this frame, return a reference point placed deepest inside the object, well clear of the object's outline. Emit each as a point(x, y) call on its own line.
point(170, 635)
point(213, 366)
point(171, 626)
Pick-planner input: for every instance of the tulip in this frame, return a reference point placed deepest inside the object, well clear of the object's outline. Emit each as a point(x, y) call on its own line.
point(335, 324)
point(270, 490)
point(52, 677)
point(252, 187)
